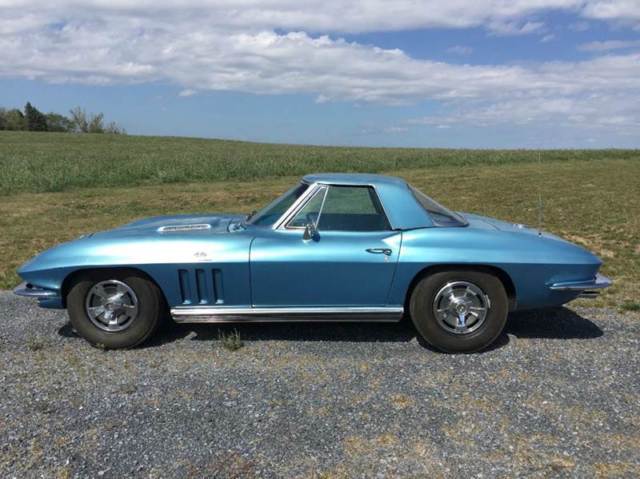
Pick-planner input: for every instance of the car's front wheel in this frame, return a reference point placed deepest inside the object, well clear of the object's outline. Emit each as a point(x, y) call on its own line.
point(114, 309)
point(459, 311)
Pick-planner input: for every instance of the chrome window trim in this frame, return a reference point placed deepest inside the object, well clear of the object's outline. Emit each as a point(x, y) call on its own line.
point(294, 207)
point(297, 205)
point(318, 190)
point(324, 198)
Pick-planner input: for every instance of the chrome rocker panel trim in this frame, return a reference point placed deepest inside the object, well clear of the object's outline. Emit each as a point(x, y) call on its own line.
point(30, 291)
point(587, 289)
point(203, 314)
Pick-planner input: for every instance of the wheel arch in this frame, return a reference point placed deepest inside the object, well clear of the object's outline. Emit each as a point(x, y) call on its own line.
point(70, 279)
point(501, 274)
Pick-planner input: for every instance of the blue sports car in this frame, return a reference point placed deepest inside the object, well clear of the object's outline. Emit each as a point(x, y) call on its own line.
point(336, 247)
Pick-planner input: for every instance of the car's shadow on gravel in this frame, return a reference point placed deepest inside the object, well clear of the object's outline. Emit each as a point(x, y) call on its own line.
point(561, 323)
point(557, 323)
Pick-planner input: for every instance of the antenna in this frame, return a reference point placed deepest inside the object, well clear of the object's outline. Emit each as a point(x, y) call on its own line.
point(540, 201)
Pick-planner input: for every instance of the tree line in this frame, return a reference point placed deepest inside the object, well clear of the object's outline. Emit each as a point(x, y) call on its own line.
point(78, 121)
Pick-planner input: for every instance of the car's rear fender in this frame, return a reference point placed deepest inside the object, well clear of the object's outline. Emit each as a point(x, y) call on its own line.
point(531, 262)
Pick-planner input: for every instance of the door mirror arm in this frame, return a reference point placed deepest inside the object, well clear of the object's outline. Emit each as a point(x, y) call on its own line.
point(310, 232)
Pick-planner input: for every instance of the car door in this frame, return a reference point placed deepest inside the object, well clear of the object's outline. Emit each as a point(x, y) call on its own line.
point(349, 261)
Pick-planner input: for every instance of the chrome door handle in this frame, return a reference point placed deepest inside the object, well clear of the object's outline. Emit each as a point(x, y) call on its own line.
point(386, 251)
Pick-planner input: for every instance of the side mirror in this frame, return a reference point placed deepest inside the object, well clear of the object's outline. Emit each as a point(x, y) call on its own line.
point(310, 232)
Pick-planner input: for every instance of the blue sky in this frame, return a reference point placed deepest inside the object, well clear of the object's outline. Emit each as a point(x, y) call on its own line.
point(539, 73)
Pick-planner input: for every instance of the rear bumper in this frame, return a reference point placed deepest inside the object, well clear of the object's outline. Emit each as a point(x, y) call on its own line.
point(47, 298)
point(585, 289)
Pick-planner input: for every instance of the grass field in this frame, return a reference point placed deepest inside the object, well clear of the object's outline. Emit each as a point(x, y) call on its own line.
point(54, 187)
point(50, 162)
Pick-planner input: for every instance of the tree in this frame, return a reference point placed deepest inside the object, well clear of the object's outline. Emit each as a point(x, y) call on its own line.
point(57, 122)
point(79, 120)
point(14, 120)
point(84, 122)
point(114, 129)
point(96, 123)
point(36, 121)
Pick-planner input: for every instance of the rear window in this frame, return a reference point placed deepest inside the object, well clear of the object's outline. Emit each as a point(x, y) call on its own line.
point(440, 215)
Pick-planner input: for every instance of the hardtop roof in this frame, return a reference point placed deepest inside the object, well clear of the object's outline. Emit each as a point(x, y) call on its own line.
point(353, 179)
point(401, 207)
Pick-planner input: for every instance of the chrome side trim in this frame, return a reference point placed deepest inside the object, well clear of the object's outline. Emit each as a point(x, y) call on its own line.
point(205, 314)
point(30, 291)
point(586, 289)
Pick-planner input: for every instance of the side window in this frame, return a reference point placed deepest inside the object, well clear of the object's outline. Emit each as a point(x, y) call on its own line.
point(352, 208)
point(310, 212)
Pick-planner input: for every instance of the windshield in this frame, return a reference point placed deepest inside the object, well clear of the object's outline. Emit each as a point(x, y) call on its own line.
point(274, 210)
point(440, 215)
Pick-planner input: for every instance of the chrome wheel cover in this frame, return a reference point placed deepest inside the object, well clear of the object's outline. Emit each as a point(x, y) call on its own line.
point(111, 305)
point(461, 307)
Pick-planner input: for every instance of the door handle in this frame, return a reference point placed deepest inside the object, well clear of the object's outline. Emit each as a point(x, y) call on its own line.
point(385, 251)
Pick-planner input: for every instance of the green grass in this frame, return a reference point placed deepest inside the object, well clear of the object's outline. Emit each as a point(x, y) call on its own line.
point(231, 341)
point(591, 197)
point(49, 162)
point(630, 306)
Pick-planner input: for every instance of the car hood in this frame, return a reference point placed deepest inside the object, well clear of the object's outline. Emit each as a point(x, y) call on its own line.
point(175, 225)
point(143, 241)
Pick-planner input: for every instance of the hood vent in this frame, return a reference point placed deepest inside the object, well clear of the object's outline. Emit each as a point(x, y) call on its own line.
point(183, 228)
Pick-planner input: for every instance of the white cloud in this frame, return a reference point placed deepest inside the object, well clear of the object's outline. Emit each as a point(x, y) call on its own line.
point(396, 129)
point(579, 26)
point(609, 45)
point(265, 47)
point(328, 15)
point(547, 38)
point(625, 11)
point(608, 113)
point(515, 27)
point(187, 92)
point(460, 50)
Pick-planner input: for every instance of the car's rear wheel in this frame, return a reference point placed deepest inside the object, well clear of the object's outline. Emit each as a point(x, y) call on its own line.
point(114, 309)
point(459, 311)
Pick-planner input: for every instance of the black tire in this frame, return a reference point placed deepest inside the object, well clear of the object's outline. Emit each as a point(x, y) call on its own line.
point(151, 309)
point(436, 334)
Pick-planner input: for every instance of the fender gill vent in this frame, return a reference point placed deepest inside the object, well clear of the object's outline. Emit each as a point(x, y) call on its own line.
point(200, 286)
point(179, 228)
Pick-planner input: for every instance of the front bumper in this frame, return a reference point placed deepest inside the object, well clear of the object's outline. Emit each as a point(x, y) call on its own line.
point(586, 289)
point(47, 298)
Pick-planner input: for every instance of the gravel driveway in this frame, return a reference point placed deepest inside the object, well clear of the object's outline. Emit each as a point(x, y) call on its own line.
point(557, 396)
